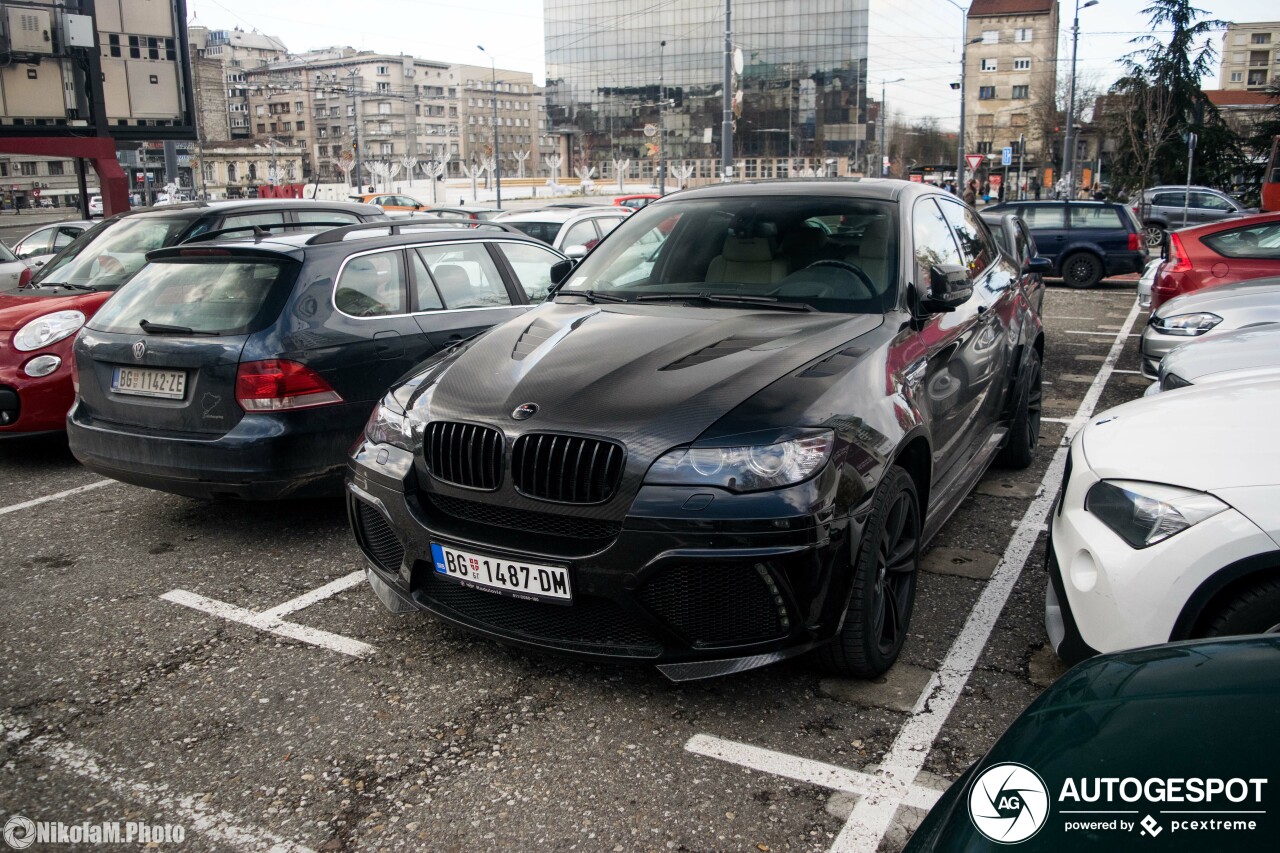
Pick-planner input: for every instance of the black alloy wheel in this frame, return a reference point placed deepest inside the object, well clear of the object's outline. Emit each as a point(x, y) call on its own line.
point(1024, 433)
point(884, 584)
point(1082, 270)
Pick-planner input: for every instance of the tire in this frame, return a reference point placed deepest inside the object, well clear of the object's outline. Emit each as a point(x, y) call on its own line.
point(1082, 270)
point(1255, 610)
point(1024, 433)
point(1153, 235)
point(879, 614)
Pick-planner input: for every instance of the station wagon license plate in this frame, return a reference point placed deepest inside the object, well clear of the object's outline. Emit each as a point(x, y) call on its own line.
point(144, 382)
point(505, 577)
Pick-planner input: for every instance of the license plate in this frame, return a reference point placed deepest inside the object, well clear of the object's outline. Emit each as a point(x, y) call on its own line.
point(143, 382)
point(505, 577)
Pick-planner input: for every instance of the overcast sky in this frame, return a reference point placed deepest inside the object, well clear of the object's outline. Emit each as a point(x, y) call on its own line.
point(918, 40)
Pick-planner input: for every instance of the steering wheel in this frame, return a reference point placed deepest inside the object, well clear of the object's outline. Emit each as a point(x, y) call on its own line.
point(827, 291)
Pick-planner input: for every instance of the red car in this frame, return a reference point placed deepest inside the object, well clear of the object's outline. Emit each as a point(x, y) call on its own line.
point(635, 202)
point(1218, 253)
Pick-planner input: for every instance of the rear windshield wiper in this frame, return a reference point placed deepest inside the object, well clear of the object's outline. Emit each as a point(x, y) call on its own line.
point(593, 295)
point(769, 302)
point(164, 329)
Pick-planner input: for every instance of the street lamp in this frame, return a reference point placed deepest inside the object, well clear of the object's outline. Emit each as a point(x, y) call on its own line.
point(964, 67)
point(355, 124)
point(1068, 142)
point(497, 155)
point(662, 125)
point(884, 83)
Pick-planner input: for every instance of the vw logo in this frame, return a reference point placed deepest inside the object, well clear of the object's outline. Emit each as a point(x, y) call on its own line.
point(139, 349)
point(1009, 803)
point(525, 411)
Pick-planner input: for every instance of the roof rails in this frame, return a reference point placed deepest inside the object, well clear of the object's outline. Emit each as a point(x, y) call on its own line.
point(337, 235)
point(259, 231)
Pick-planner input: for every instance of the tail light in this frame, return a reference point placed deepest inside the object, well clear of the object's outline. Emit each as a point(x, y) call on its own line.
point(274, 385)
point(1135, 242)
point(1137, 210)
point(25, 278)
point(1179, 260)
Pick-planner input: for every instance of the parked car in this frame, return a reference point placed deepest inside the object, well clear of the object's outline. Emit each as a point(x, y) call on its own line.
point(392, 202)
point(716, 453)
point(42, 244)
point(1244, 355)
point(485, 213)
point(1161, 209)
point(1210, 312)
point(635, 202)
point(1019, 246)
point(95, 206)
point(246, 368)
point(1218, 254)
point(571, 230)
point(1085, 240)
point(13, 271)
point(1147, 281)
point(40, 321)
point(1167, 526)
point(1119, 716)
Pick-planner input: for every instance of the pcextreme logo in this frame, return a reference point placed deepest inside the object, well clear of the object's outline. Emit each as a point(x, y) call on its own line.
point(1009, 803)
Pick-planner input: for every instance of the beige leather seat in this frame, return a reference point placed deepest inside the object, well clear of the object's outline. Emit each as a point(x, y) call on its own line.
point(747, 260)
point(873, 253)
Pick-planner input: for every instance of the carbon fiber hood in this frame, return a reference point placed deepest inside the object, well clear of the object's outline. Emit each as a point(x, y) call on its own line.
point(650, 376)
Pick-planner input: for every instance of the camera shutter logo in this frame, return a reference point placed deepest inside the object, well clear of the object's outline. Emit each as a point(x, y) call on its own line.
point(19, 832)
point(1009, 803)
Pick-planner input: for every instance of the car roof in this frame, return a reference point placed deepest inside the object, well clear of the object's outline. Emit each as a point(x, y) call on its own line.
point(883, 189)
point(559, 214)
point(295, 243)
point(186, 208)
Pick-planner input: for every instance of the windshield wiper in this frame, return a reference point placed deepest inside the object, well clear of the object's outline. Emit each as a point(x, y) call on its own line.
point(769, 302)
point(593, 295)
point(164, 329)
point(68, 286)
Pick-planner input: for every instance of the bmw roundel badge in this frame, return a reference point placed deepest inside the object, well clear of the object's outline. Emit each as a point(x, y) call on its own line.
point(525, 411)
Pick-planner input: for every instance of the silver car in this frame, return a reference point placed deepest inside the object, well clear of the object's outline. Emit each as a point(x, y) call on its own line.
point(42, 244)
point(1206, 313)
point(1170, 208)
point(572, 230)
point(13, 272)
point(1147, 281)
point(1245, 354)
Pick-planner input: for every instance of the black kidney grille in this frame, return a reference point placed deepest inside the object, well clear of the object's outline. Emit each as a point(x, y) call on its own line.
point(718, 603)
point(464, 454)
point(378, 537)
point(589, 624)
point(566, 468)
point(522, 519)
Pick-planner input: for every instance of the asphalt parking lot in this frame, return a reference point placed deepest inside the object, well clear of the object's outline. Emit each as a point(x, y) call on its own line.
point(223, 667)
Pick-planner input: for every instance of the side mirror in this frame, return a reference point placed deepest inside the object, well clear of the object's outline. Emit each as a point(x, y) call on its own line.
point(560, 270)
point(949, 288)
point(1039, 265)
point(576, 252)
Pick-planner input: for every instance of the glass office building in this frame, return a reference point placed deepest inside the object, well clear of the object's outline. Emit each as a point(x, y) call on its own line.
point(801, 92)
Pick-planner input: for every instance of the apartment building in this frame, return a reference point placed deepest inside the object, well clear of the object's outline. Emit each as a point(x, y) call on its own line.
point(1250, 56)
point(238, 52)
point(239, 169)
point(517, 115)
point(1011, 75)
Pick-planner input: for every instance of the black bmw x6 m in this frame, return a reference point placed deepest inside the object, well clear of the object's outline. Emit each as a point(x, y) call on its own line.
point(723, 440)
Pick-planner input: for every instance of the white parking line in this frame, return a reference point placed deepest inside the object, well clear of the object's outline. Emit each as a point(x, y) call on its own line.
point(874, 812)
point(271, 623)
point(800, 769)
point(189, 810)
point(1099, 334)
point(314, 596)
point(57, 496)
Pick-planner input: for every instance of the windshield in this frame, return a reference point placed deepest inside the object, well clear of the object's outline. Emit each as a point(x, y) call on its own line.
point(223, 296)
point(829, 253)
point(109, 255)
point(544, 231)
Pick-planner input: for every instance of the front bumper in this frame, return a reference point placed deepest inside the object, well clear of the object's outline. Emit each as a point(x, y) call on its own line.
point(34, 405)
point(266, 456)
point(1105, 596)
point(1155, 345)
point(742, 582)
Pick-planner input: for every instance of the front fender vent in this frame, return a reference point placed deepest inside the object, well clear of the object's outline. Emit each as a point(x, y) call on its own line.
point(729, 346)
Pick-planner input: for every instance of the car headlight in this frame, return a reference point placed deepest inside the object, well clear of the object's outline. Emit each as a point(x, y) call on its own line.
point(1172, 381)
point(48, 329)
point(1143, 514)
point(744, 469)
point(1188, 325)
point(389, 425)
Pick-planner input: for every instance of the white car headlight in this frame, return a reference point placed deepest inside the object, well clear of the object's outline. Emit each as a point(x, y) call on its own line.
point(48, 329)
point(389, 425)
point(744, 469)
point(1143, 514)
point(1189, 325)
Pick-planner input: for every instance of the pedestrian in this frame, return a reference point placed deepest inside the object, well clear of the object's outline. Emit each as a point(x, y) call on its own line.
point(986, 192)
point(1000, 194)
point(971, 193)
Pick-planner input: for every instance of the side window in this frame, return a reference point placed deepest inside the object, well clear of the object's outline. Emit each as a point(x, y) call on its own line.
point(1168, 199)
point(465, 275)
point(326, 217)
point(1024, 248)
point(934, 244)
point(533, 267)
point(971, 235)
point(1258, 241)
point(1209, 201)
point(246, 219)
point(372, 286)
point(426, 297)
point(36, 244)
point(580, 234)
point(64, 237)
point(1044, 217)
point(608, 223)
point(1094, 216)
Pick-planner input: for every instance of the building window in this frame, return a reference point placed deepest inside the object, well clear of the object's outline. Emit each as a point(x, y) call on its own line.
point(55, 167)
point(1257, 78)
point(384, 87)
point(27, 167)
point(1018, 120)
point(1022, 63)
point(986, 93)
point(262, 128)
point(1261, 38)
point(383, 70)
point(1021, 93)
point(989, 65)
point(1023, 34)
point(302, 125)
point(387, 148)
point(983, 148)
point(1237, 76)
point(990, 36)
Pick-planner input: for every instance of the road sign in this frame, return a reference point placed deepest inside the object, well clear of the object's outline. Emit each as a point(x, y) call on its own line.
point(1006, 156)
point(974, 161)
point(36, 192)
